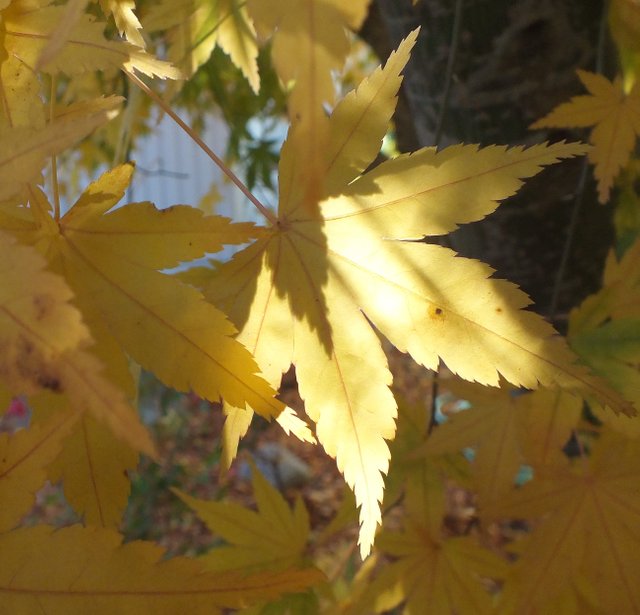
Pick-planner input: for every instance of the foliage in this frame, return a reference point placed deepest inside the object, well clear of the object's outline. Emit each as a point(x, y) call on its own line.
point(341, 264)
point(615, 115)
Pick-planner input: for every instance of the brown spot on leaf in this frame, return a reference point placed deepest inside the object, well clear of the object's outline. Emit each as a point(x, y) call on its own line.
point(42, 305)
point(25, 369)
point(50, 382)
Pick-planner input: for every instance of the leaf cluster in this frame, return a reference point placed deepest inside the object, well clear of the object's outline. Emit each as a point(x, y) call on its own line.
point(341, 264)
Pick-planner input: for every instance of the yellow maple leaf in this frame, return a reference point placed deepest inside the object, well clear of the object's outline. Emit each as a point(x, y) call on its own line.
point(126, 21)
point(273, 538)
point(111, 260)
point(34, 315)
point(92, 465)
point(412, 474)
point(307, 55)
point(79, 570)
point(43, 338)
point(24, 458)
point(20, 91)
point(586, 543)
point(196, 27)
point(40, 334)
point(28, 31)
point(94, 461)
point(238, 421)
point(506, 429)
point(605, 332)
point(309, 42)
point(73, 11)
point(24, 149)
point(615, 115)
point(443, 575)
point(308, 291)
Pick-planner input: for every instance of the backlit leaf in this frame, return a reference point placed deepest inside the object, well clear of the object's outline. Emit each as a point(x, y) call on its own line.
point(196, 27)
point(27, 33)
point(588, 536)
point(615, 115)
point(36, 316)
point(308, 291)
point(125, 18)
point(111, 260)
point(73, 11)
point(605, 332)
point(506, 429)
point(79, 570)
point(24, 150)
point(24, 458)
point(273, 538)
point(445, 576)
point(41, 337)
point(309, 43)
point(92, 466)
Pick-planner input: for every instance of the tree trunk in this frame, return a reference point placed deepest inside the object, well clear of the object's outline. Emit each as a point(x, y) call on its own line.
point(513, 63)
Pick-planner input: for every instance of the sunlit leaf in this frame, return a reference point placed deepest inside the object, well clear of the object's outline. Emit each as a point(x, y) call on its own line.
point(125, 18)
point(24, 149)
point(28, 32)
point(273, 538)
point(111, 261)
point(615, 115)
point(195, 27)
point(80, 570)
point(308, 291)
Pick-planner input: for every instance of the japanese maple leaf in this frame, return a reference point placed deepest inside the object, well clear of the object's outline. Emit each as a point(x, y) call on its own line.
point(24, 149)
point(615, 115)
point(309, 291)
point(605, 332)
point(43, 342)
point(309, 42)
point(24, 458)
point(507, 430)
point(196, 27)
point(88, 570)
point(427, 571)
point(587, 543)
point(112, 260)
point(28, 32)
point(272, 538)
point(125, 18)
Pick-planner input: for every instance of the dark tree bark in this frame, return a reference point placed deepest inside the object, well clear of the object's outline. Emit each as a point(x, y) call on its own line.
point(515, 60)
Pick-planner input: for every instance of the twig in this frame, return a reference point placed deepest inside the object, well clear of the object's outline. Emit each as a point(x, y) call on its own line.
point(444, 105)
point(568, 244)
point(580, 189)
point(54, 160)
point(451, 60)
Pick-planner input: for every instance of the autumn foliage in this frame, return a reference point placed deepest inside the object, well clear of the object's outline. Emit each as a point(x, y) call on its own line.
point(339, 266)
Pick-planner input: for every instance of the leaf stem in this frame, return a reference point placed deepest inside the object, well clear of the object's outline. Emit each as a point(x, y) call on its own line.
point(568, 244)
point(451, 60)
point(435, 391)
point(580, 188)
point(204, 147)
point(54, 160)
